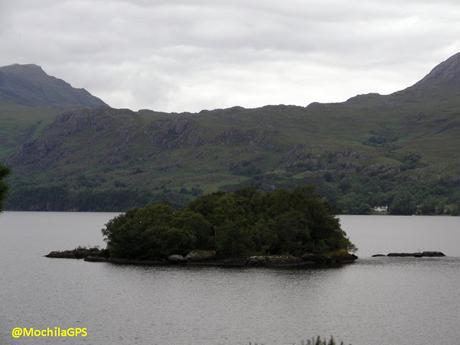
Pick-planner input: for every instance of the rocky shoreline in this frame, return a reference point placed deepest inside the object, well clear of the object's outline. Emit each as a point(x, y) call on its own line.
point(202, 258)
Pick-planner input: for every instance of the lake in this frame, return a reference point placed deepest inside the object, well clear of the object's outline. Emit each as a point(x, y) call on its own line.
point(376, 301)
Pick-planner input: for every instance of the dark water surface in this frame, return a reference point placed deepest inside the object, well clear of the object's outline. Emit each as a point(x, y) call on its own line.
point(395, 301)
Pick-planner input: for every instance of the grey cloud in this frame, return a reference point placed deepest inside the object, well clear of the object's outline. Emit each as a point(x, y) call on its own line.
point(192, 54)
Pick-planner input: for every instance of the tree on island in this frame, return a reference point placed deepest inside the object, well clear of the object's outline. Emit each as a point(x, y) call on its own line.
point(234, 224)
point(3, 187)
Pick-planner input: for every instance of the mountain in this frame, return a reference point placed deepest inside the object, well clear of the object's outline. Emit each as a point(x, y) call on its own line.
point(445, 76)
point(401, 150)
point(30, 85)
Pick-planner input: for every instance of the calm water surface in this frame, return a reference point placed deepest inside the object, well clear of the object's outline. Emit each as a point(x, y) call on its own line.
point(373, 302)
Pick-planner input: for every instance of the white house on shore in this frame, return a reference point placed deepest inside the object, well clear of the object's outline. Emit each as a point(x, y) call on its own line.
point(380, 210)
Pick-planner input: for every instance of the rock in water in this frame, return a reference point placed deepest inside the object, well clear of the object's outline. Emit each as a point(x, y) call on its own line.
point(417, 254)
point(198, 255)
point(176, 258)
point(433, 254)
point(78, 253)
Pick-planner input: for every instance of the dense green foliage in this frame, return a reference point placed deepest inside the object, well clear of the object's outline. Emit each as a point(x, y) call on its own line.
point(59, 198)
point(235, 224)
point(359, 194)
point(399, 150)
point(3, 188)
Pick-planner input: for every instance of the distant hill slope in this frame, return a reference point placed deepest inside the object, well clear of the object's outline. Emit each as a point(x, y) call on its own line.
point(30, 85)
point(401, 150)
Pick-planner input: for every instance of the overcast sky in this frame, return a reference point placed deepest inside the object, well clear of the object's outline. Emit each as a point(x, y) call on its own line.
point(188, 55)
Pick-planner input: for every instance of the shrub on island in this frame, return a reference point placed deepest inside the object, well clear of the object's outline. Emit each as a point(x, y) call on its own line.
point(233, 224)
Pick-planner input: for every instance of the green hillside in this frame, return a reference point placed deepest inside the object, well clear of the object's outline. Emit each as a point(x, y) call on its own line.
point(401, 150)
point(19, 124)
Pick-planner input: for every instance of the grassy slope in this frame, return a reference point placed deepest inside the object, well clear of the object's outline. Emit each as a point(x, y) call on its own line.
point(331, 128)
point(113, 149)
point(19, 124)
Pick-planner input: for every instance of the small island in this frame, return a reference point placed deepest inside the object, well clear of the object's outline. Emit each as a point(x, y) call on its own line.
point(246, 228)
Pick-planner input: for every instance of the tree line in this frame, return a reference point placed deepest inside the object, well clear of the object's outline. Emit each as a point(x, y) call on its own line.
point(3, 187)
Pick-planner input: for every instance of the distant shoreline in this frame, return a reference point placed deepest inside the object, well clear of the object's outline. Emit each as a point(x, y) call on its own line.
point(337, 215)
